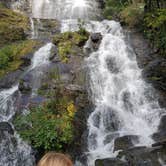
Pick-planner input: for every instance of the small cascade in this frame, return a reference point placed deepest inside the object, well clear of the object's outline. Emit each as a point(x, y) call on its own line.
point(13, 151)
point(40, 62)
point(6, 103)
point(33, 31)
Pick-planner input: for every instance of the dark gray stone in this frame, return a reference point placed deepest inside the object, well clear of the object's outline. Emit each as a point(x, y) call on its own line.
point(54, 54)
point(110, 162)
point(8, 80)
point(96, 37)
point(27, 60)
point(161, 133)
point(125, 142)
point(155, 73)
point(5, 126)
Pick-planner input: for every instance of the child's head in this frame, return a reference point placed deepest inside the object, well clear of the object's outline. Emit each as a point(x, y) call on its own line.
point(55, 159)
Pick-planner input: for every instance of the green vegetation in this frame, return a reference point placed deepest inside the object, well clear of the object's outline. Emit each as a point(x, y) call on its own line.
point(13, 26)
point(113, 8)
point(49, 126)
point(132, 15)
point(129, 12)
point(11, 55)
point(155, 29)
point(147, 15)
point(68, 40)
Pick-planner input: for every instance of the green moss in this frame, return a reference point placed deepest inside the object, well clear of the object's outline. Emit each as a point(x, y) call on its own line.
point(11, 55)
point(49, 126)
point(12, 26)
point(68, 40)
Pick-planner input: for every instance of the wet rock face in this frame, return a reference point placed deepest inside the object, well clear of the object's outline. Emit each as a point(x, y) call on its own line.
point(96, 37)
point(96, 40)
point(44, 29)
point(9, 79)
point(161, 133)
point(93, 43)
point(5, 129)
point(54, 53)
point(110, 162)
point(137, 156)
point(153, 65)
point(27, 60)
point(26, 83)
point(125, 142)
point(155, 72)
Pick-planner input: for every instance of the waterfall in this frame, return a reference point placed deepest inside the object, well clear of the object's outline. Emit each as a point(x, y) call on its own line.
point(124, 103)
point(13, 151)
point(66, 9)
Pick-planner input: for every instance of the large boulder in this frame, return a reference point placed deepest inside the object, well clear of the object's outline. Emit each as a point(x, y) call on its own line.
point(96, 37)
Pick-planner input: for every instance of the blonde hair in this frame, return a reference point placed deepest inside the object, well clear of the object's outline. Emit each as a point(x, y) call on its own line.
point(55, 159)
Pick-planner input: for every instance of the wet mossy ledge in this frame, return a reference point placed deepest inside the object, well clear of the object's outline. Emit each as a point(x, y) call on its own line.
point(69, 42)
point(12, 55)
point(13, 26)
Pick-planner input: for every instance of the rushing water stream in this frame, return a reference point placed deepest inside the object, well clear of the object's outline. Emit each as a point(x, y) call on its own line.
point(14, 152)
point(124, 103)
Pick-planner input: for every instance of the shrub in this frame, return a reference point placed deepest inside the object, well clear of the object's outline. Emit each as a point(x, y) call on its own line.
point(48, 127)
point(10, 55)
point(132, 15)
point(113, 8)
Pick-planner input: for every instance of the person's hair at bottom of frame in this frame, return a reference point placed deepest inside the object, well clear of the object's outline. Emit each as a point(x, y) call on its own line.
point(55, 159)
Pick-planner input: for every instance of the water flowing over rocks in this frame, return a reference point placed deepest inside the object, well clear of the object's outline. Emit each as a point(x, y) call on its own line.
point(117, 122)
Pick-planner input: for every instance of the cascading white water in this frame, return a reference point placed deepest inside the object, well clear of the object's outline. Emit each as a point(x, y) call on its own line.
point(66, 9)
point(6, 103)
point(13, 151)
point(41, 57)
point(123, 102)
point(39, 64)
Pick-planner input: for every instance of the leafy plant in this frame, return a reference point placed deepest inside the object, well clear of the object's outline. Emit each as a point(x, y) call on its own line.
point(10, 55)
point(66, 41)
point(155, 29)
point(49, 126)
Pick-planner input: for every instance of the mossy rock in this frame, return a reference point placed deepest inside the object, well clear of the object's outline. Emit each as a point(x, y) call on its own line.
point(68, 41)
point(13, 26)
point(11, 56)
